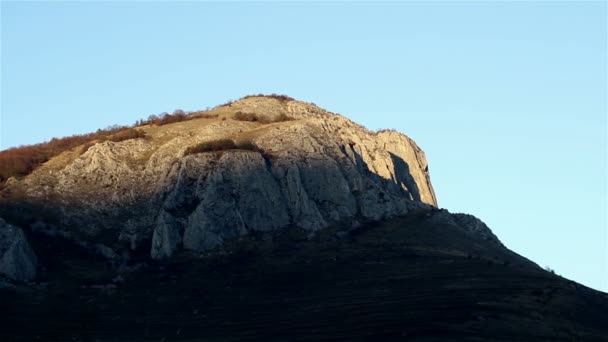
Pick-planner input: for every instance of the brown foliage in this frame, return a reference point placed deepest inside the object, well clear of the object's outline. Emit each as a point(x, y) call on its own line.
point(247, 145)
point(164, 118)
point(222, 145)
point(253, 117)
point(21, 161)
point(126, 134)
point(202, 115)
point(280, 97)
point(227, 103)
point(241, 116)
point(214, 145)
point(282, 117)
point(177, 116)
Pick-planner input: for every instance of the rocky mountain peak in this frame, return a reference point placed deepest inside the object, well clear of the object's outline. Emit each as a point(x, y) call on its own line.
point(257, 164)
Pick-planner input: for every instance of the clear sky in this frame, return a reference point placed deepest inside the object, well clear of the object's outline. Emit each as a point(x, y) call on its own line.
point(507, 99)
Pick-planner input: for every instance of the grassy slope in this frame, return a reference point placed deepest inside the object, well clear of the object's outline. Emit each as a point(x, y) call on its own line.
point(404, 279)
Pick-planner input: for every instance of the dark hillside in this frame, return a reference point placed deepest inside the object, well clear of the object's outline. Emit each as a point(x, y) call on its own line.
point(406, 279)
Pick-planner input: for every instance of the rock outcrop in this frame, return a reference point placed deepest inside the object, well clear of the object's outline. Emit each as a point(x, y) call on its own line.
point(312, 171)
point(466, 222)
point(475, 226)
point(17, 259)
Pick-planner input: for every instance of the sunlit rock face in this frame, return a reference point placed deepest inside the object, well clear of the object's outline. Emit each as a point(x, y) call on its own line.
point(311, 171)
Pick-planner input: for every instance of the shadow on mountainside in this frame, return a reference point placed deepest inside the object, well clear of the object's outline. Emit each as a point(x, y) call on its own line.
point(402, 279)
point(402, 170)
point(84, 217)
point(405, 278)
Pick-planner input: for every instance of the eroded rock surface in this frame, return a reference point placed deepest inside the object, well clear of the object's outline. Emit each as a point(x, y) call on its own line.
point(17, 259)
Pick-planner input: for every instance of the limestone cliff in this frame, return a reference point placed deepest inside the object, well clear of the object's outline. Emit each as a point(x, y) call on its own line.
point(311, 171)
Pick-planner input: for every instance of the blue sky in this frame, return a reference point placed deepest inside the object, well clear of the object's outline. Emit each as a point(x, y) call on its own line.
point(507, 99)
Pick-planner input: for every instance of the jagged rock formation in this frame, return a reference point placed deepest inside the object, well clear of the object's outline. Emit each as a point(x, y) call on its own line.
point(310, 172)
point(17, 259)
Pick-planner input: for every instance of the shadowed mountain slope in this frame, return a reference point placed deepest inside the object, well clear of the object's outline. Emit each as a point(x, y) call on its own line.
point(414, 278)
point(264, 219)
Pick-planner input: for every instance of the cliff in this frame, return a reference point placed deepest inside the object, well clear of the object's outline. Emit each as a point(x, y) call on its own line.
point(292, 164)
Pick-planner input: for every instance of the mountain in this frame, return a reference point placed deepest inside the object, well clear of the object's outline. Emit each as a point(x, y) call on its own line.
point(258, 164)
point(263, 219)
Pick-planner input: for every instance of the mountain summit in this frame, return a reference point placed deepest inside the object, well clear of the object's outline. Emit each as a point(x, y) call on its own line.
point(257, 164)
point(264, 219)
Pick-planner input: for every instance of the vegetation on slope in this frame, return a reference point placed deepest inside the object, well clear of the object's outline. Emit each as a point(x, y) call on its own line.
point(213, 145)
point(254, 117)
point(177, 116)
point(221, 145)
point(280, 97)
point(21, 161)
